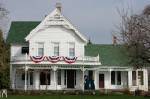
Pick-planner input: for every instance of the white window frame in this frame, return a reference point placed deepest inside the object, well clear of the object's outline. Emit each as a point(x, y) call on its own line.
point(116, 78)
point(56, 44)
point(38, 47)
point(70, 45)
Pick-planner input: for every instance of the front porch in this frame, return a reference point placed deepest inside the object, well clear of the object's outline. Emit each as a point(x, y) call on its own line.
point(45, 77)
point(77, 77)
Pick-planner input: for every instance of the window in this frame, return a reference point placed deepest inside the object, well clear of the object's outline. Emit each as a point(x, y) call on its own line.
point(75, 77)
point(59, 77)
point(23, 76)
point(31, 78)
point(134, 78)
point(116, 77)
point(48, 78)
point(140, 77)
point(45, 78)
point(113, 77)
point(90, 74)
point(25, 50)
point(65, 77)
point(40, 49)
point(71, 49)
point(56, 49)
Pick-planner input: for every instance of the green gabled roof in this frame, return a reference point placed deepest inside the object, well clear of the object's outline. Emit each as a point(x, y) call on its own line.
point(110, 55)
point(19, 30)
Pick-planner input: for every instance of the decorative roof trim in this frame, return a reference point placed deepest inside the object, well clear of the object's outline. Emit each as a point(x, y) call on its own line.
point(55, 19)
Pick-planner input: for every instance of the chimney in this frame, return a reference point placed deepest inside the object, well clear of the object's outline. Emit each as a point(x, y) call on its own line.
point(114, 40)
point(58, 6)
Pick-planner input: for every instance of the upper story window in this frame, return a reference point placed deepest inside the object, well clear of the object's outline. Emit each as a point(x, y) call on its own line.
point(71, 49)
point(56, 49)
point(25, 50)
point(40, 49)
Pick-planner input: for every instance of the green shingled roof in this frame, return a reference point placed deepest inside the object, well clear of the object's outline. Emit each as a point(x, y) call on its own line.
point(110, 55)
point(19, 30)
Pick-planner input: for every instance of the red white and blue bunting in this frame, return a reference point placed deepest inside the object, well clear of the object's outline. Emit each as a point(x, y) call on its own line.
point(53, 59)
point(37, 59)
point(70, 60)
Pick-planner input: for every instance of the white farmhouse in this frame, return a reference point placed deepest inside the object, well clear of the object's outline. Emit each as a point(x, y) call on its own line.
point(54, 55)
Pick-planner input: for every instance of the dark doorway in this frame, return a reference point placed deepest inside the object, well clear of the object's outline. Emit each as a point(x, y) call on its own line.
point(101, 81)
point(45, 78)
point(71, 78)
point(90, 75)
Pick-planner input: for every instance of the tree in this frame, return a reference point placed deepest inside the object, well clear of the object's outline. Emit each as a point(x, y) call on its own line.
point(146, 11)
point(135, 34)
point(4, 20)
point(4, 63)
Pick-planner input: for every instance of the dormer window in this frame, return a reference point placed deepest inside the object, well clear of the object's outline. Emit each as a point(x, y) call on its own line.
point(56, 49)
point(40, 49)
point(71, 49)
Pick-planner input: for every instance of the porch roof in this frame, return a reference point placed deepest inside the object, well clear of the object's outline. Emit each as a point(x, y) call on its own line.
point(109, 54)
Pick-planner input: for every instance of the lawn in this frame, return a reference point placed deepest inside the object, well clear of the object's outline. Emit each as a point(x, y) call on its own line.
point(79, 97)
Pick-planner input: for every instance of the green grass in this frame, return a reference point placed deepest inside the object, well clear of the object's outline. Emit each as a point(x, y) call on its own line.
point(79, 97)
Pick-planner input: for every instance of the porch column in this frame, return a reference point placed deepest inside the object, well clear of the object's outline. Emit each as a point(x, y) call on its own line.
point(13, 78)
point(129, 79)
point(55, 83)
point(145, 76)
point(36, 78)
point(83, 70)
point(10, 75)
point(25, 85)
point(110, 70)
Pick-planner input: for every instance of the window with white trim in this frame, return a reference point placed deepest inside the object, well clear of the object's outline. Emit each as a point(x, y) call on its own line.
point(40, 49)
point(59, 77)
point(71, 49)
point(140, 76)
point(133, 78)
point(116, 77)
point(56, 49)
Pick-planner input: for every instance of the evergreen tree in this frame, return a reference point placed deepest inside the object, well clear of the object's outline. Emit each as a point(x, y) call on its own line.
point(4, 63)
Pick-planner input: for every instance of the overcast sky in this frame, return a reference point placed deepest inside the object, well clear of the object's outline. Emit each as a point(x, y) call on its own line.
point(94, 18)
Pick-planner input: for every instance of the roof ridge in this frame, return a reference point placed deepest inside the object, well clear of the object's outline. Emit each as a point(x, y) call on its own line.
point(24, 21)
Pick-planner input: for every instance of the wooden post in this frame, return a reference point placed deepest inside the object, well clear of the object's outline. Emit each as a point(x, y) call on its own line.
point(83, 70)
point(55, 69)
point(25, 86)
point(110, 79)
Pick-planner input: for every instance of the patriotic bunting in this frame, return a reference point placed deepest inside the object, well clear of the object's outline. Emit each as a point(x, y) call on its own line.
point(70, 60)
point(37, 59)
point(53, 59)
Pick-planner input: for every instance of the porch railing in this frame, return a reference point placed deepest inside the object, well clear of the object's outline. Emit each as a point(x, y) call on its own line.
point(23, 58)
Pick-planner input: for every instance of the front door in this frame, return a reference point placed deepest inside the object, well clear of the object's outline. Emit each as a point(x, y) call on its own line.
point(101, 81)
point(70, 78)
